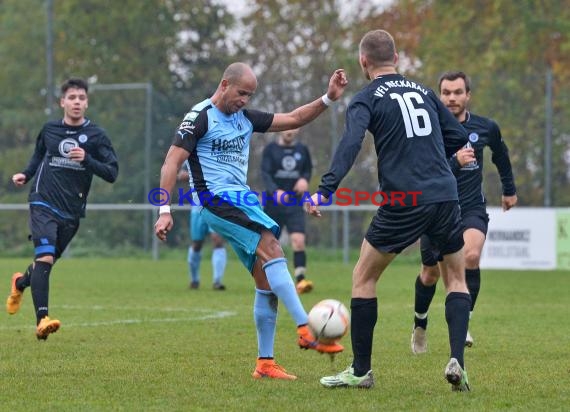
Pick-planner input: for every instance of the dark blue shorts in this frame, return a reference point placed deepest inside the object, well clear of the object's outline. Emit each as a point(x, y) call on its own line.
point(475, 218)
point(51, 233)
point(290, 217)
point(394, 229)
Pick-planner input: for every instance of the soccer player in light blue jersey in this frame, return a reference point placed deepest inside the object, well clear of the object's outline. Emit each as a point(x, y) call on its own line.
point(214, 138)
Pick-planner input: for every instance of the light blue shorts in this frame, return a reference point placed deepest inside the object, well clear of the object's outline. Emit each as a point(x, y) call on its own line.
point(199, 229)
point(240, 223)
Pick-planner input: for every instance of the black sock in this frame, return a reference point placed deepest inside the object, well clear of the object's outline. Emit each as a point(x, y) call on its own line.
point(23, 282)
point(364, 314)
point(40, 288)
point(457, 306)
point(473, 279)
point(424, 296)
point(299, 261)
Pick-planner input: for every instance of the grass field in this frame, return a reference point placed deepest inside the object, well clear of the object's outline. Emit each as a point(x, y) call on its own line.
point(134, 338)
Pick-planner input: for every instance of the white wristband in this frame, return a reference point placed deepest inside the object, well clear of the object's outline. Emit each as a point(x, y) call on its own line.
point(326, 100)
point(164, 209)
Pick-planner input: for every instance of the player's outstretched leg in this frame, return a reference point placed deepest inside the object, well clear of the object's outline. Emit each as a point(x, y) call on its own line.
point(281, 285)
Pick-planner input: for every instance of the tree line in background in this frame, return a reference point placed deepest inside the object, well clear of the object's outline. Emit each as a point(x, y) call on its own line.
point(181, 48)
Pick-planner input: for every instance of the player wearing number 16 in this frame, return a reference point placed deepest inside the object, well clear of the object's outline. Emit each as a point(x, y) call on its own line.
point(414, 134)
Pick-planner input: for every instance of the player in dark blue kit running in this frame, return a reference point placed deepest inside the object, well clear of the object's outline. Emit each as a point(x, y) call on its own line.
point(214, 138)
point(467, 165)
point(68, 153)
point(413, 133)
point(286, 168)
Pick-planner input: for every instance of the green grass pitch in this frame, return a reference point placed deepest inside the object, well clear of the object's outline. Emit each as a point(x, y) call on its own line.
point(135, 338)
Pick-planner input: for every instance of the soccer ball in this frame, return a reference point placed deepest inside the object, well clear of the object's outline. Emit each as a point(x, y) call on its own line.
point(329, 320)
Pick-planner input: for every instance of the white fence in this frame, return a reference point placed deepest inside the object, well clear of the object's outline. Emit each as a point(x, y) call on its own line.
point(522, 238)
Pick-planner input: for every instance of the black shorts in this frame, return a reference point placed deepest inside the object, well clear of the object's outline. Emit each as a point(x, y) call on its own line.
point(51, 233)
point(290, 217)
point(394, 229)
point(475, 218)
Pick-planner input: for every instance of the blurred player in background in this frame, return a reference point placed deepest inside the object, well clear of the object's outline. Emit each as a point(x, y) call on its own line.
point(214, 138)
point(198, 231)
point(413, 135)
point(68, 153)
point(455, 93)
point(286, 168)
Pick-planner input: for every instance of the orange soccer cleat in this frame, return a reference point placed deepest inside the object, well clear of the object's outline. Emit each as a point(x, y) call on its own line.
point(47, 326)
point(304, 286)
point(307, 341)
point(267, 368)
point(15, 298)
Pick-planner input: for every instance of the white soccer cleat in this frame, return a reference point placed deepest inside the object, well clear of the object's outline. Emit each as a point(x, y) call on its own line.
point(419, 340)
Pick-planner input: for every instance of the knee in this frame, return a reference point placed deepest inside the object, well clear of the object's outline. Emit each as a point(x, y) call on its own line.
point(269, 248)
point(46, 259)
point(429, 275)
point(217, 241)
point(472, 258)
point(298, 243)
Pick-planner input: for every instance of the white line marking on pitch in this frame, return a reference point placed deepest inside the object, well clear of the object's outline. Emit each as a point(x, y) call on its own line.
point(212, 315)
point(129, 308)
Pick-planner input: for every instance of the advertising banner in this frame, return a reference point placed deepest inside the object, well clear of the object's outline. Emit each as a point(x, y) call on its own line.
point(523, 238)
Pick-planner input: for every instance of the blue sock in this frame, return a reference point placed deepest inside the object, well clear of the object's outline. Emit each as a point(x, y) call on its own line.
point(282, 285)
point(194, 259)
point(219, 259)
point(265, 316)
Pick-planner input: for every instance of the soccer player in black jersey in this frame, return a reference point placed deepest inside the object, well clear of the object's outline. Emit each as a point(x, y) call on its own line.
point(286, 168)
point(68, 153)
point(413, 133)
point(467, 165)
